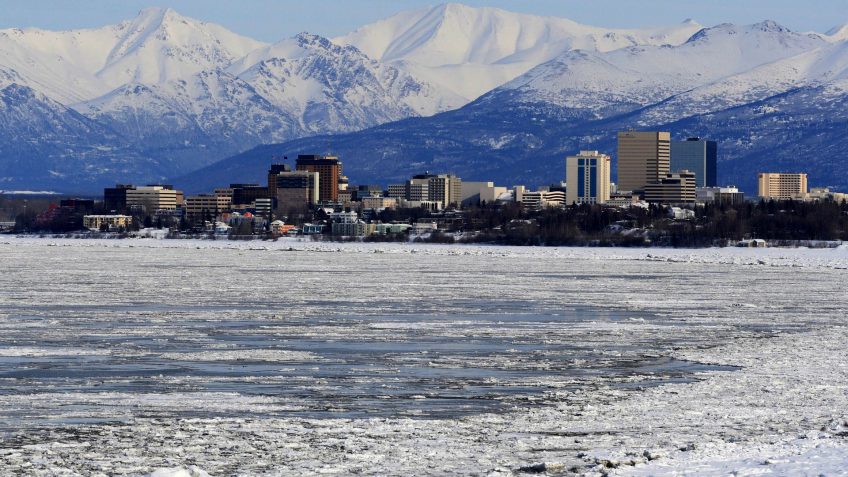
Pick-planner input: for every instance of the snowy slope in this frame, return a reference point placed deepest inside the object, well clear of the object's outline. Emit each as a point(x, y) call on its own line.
point(825, 67)
point(195, 92)
point(767, 95)
point(336, 88)
point(211, 110)
point(160, 45)
point(838, 33)
point(473, 50)
point(641, 75)
point(45, 62)
point(177, 94)
point(157, 46)
point(52, 147)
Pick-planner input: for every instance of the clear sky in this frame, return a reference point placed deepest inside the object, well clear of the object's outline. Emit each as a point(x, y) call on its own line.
point(272, 20)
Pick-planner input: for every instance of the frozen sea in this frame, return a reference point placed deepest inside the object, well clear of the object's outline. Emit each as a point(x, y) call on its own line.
point(166, 358)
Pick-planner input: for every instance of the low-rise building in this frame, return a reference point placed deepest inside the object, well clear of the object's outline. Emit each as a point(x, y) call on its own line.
point(312, 229)
point(278, 227)
point(421, 204)
point(423, 227)
point(542, 198)
point(674, 188)
point(262, 206)
point(205, 206)
point(476, 193)
point(107, 222)
point(364, 191)
point(348, 224)
point(345, 197)
point(822, 193)
point(678, 213)
point(752, 243)
point(384, 229)
point(379, 203)
point(353, 229)
point(720, 195)
point(622, 200)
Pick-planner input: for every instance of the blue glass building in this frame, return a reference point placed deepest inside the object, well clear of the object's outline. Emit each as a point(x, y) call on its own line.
point(696, 155)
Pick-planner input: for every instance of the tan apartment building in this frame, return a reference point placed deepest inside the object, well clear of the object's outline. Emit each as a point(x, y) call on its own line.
point(199, 206)
point(643, 158)
point(781, 185)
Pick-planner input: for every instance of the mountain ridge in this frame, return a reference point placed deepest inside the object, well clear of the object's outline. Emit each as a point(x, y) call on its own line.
point(172, 95)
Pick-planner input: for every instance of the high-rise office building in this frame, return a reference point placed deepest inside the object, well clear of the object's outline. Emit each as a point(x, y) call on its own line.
point(587, 177)
point(246, 194)
point(297, 189)
point(272, 177)
point(443, 189)
point(329, 168)
point(153, 197)
point(205, 206)
point(115, 198)
point(696, 155)
point(781, 185)
point(643, 158)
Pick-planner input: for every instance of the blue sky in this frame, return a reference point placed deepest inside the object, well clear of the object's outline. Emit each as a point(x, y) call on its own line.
point(272, 20)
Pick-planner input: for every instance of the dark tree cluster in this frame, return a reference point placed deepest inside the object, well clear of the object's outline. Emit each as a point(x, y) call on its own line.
point(712, 224)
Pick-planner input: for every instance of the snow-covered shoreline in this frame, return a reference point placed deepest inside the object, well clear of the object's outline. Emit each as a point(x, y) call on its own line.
point(777, 314)
point(831, 257)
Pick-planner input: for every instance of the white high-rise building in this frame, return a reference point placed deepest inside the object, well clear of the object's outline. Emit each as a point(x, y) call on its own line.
point(442, 189)
point(587, 178)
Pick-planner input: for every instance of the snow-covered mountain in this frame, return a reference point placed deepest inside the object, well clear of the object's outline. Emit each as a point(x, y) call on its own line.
point(638, 76)
point(768, 95)
point(47, 145)
point(328, 87)
point(196, 92)
point(473, 50)
point(157, 46)
point(163, 95)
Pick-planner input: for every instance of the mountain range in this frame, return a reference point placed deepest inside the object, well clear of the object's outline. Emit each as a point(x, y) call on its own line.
point(482, 92)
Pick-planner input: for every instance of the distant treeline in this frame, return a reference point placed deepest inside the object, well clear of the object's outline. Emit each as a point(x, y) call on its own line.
point(712, 224)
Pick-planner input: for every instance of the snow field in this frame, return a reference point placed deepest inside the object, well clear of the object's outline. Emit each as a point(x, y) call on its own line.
point(776, 315)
